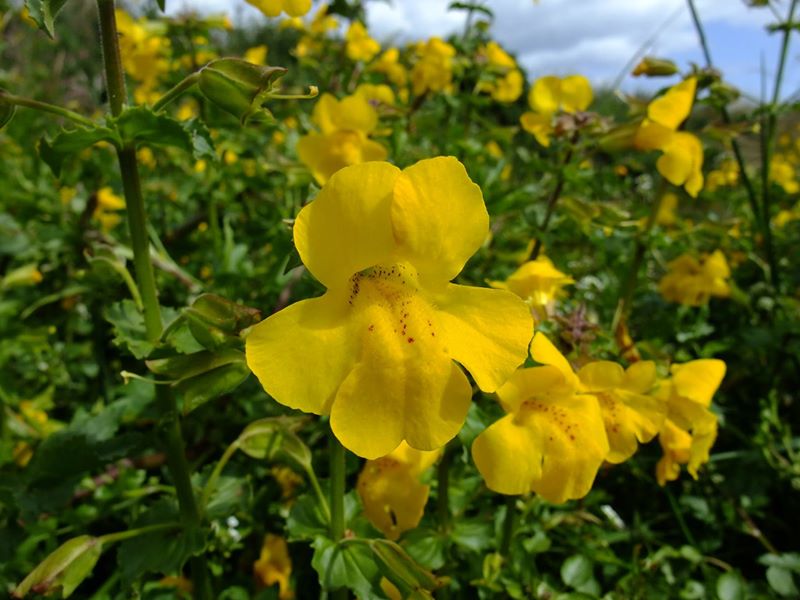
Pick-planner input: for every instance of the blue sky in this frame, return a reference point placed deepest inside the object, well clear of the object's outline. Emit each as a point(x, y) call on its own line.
point(593, 37)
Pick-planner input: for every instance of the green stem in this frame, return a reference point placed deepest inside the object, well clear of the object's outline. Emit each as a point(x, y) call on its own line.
point(120, 536)
point(508, 525)
point(552, 200)
point(215, 474)
point(726, 117)
point(632, 276)
point(769, 137)
point(137, 221)
point(45, 107)
point(443, 487)
point(185, 84)
point(337, 488)
point(337, 457)
point(323, 501)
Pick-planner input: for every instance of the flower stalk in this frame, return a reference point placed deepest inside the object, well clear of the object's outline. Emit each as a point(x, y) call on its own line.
point(137, 222)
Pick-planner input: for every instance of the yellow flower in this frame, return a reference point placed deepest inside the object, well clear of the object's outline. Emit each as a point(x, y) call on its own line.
point(360, 46)
point(507, 86)
point(692, 282)
point(390, 489)
point(382, 340)
point(107, 205)
point(690, 429)
point(388, 63)
point(187, 110)
point(782, 172)
point(272, 8)
point(666, 210)
point(538, 282)
point(287, 479)
point(552, 441)
point(143, 52)
point(631, 415)
point(681, 162)
point(345, 126)
point(146, 157)
point(727, 175)
point(274, 566)
point(376, 94)
point(256, 55)
point(433, 70)
point(550, 94)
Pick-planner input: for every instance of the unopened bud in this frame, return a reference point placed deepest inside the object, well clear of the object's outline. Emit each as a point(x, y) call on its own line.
point(655, 67)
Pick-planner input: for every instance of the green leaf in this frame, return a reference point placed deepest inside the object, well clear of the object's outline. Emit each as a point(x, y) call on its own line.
point(306, 520)
point(67, 143)
point(731, 587)
point(67, 567)
point(576, 571)
point(44, 12)
point(239, 87)
point(163, 551)
point(162, 4)
point(186, 366)
point(214, 320)
point(128, 327)
point(140, 124)
point(227, 498)
point(347, 564)
point(426, 546)
point(782, 581)
point(472, 535)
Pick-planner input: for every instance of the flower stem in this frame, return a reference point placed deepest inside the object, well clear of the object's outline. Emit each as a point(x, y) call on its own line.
point(45, 107)
point(508, 525)
point(552, 200)
point(185, 84)
point(337, 457)
point(443, 487)
point(137, 221)
point(769, 147)
point(211, 483)
point(120, 536)
point(337, 453)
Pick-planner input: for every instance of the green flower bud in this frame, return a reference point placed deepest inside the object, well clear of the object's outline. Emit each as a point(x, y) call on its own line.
point(655, 67)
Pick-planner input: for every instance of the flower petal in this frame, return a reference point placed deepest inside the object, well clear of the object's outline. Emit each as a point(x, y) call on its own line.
point(308, 336)
point(698, 380)
point(487, 331)
point(505, 456)
point(544, 352)
point(539, 126)
point(526, 383)
point(545, 95)
point(576, 93)
point(601, 375)
point(429, 198)
point(674, 106)
point(348, 227)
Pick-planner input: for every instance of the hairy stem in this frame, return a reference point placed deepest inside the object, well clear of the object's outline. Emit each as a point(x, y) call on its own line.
point(45, 107)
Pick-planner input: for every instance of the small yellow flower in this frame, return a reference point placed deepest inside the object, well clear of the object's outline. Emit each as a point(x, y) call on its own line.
point(382, 341)
point(549, 95)
point(631, 415)
point(388, 63)
point(726, 175)
point(538, 283)
point(187, 110)
point(144, 54)
point(782, 172)
point(146, 157)
point(274, 566)
point(507, 86)
point(690, 429)
point(107, 205)
point(390, 489)
point(433, 70)
point(692, 282)
point(345, 126)
point(681, 162)
point(273, 8)
point(287, 479)
point(666, 210)
point(553, 439)
point(360, 46)
point(256, 55)
point(376, 94)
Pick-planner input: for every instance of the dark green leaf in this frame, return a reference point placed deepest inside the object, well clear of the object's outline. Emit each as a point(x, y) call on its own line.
point(198, 390)
point(140, 124)
point(129, 329)
point(782, 581)
point(68, 143)
point(347, 564)
point(426, 546)
point(576, 571)
point(306, 520)
point(731, 587)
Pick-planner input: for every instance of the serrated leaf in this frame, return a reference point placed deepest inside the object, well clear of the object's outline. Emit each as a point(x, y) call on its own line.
point(67, 143)
point(347, 564)
point(67, 567)
point(140, 124)
point(44, 12)
point(128, 327)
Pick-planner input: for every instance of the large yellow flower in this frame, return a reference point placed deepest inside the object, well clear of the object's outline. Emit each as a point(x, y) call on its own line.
point(345, 126)
point(376, 351)
point(538, 282)
point(552, 441)
point(690, 429)
point(273, 8)
point(681, 162)
point(393, 496)
point(551, 94)
point(631, 415)
point(692, 282)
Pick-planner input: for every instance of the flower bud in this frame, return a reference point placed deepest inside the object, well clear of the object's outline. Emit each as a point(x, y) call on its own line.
point(655, 67)
point(240, 87)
